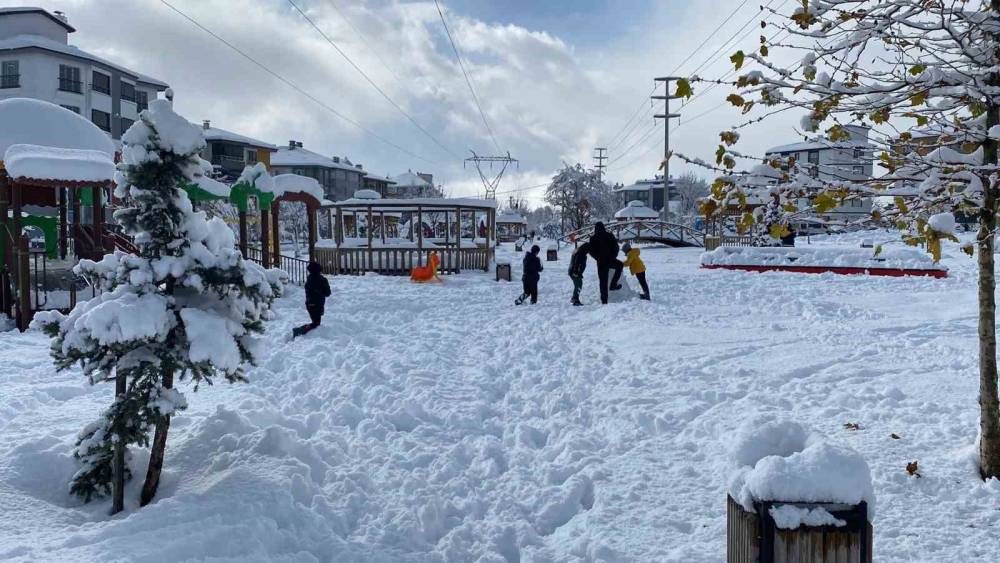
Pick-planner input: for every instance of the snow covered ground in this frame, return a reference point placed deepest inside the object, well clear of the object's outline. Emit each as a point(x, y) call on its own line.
point(441, 423)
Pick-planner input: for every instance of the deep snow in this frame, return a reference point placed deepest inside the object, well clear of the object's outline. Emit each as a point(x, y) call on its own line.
point(441, 423)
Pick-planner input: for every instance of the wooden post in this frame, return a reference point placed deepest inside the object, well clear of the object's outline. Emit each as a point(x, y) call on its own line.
point(5, 246)
point(265, 235)
point(382, 225)
point(276, 233)
point(412, 218)
point(23, 285)
point(447, 228)
point(243, 232)
point(339, 236)
point(368, 231)
point(63, 232)
point(311, 211)
point(98, 220)
point(329, 223)
point(74, 205)
point(458, 242)
point(420, 235)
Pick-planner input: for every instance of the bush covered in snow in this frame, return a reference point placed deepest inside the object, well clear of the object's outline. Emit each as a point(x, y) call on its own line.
point(187, 305)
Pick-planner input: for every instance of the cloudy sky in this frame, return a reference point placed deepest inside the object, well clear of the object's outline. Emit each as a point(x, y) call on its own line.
point(555, 78)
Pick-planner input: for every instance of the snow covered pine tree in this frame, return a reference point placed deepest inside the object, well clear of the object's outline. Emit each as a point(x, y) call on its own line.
point(188, 305)
point(888, 65)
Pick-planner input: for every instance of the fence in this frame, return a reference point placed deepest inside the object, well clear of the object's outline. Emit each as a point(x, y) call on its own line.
point(296, 268)
point(399, 262)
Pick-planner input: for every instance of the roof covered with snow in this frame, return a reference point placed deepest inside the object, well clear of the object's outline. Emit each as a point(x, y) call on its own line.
point(305, 157)
point(817, 144)
point(636, 210)
point(642, 185)
point(39, 42)
point(36, 122)
point(294, 183)
point(217, 134)
point(58, 164)
point(412, 204)
point(409, 179)
point(511, 217)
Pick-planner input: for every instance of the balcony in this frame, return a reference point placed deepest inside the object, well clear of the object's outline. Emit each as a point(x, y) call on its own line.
point(101, 88)
point(228, 162)
point(10, 81)
point(69, 85)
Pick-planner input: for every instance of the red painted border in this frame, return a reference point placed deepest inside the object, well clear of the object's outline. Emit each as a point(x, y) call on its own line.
point(893, 272)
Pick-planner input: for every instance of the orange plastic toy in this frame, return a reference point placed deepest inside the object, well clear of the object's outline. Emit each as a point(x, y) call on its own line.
point(428, 273)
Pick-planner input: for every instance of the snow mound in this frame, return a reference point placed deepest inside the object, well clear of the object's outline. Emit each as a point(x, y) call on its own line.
point(34, 122)
point(943, 223)
point(790, 517)
point(831, 257)
point(53, 163)
point(780, 461)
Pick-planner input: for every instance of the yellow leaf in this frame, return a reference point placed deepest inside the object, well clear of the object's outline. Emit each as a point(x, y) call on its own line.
point(878, 250)
point(901, 205)
point(683, 88)
point(778, 231)
point(838, 133)
point(707, 207)
point(880, 116)
point(918, 98)
point(968, 249)
point(719, 153)
point(934, 247)
point(915, 70)
point(922, 120)
point(737, 59)
point(729, 137)
point(735, 99)
point(763, 50)
point(876, 215)
point(824, 202)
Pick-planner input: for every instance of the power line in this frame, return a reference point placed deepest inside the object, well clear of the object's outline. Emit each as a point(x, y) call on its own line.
point(361, 35)
point(635, 126)
point(630, 119)
point(468, 81)
point(372, 82)
point(709, 37)
point(294, 86)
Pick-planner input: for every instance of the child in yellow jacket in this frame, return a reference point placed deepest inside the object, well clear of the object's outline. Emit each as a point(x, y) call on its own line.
point(636, 267)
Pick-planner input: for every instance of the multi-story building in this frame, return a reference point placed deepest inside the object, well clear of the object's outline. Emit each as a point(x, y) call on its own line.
point(230, 152)
point(827, 161)
point(380, 184)
point(410, 185)
point(37, 61)
point(338, 176)
point(648, 191)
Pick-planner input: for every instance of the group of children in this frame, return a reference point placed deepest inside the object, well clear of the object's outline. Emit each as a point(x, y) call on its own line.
point(532, 269)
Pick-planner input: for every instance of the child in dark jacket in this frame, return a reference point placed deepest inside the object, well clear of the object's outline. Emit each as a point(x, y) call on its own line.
point(577, 265)
point(317, 290)
point(532, 273)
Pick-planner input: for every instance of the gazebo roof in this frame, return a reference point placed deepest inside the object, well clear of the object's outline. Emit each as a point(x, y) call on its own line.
point(35, 122)
point(636, 210)
point(295, 183)
point(57, 165)
point(510, 217)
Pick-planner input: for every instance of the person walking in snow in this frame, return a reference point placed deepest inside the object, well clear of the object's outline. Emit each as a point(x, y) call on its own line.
point(577, 265)
point(317, 290)
point(636, 267)
point(604, 250)
point(532, 273)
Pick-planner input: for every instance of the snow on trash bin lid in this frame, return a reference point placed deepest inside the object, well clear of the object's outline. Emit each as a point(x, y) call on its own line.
point(779, 460)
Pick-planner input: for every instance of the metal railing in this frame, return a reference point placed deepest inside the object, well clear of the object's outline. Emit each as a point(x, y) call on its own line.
point(10, 81)
point(643, 230)
point(296, 268)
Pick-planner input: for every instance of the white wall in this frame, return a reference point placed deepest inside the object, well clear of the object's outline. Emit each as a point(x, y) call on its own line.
point(31, 24)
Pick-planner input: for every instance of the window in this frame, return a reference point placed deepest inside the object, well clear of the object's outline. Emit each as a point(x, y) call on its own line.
point(128, 92)
point(101, 119)
point(126, 123)
point(251, 157)
point(813, 157)
point(859, 170)
point(73, 109)
point(10, 76)
point(101, 83)
point(141, 100)
point(858, 153)
point(69, 79)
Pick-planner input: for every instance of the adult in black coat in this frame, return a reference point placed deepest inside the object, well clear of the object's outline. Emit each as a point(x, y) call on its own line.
point(604, 250)
point(532, 273)
point(317, 290)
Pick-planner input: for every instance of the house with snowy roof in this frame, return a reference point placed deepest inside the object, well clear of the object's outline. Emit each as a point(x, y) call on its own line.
point(378, 184)
point(828, 161)
point(649, 191)
point(37, 61)
point(231, 152)
point(413, 185)
point(339, 177)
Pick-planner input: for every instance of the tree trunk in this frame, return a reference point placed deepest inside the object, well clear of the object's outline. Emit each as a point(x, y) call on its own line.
point(118, 466)
point(159, 447)
point(989, 404)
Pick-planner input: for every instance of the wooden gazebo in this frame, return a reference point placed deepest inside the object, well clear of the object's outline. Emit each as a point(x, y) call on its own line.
point(34, 175)
point(511, 226)
point(461, 247)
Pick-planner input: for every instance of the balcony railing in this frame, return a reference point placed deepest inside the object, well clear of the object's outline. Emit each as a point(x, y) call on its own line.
point(226, 161)
point(69, 85)
point(10, 81)
point(100, 88)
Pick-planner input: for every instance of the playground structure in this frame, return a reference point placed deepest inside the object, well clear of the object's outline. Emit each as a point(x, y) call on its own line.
point(56, 171)
point(511, 226)
point(459, 231)
point(428, 273)
point(643, 230)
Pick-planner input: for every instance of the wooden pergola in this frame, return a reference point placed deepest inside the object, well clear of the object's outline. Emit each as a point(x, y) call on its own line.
point(510, 227)
point(397, 256)
point(17, 191)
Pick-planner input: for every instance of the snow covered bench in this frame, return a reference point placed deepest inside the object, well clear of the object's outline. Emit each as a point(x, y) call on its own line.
point(817, 260)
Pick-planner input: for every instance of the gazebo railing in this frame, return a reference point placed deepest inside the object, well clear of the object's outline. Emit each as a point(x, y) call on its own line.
point(400, 261)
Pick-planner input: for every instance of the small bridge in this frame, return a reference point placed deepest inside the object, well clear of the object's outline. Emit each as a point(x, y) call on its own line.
point(644, 230)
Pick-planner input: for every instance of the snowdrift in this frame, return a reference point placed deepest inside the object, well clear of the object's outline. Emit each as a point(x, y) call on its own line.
point(818, 260)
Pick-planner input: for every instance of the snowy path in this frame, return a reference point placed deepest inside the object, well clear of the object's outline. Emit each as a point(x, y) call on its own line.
point(441, 423)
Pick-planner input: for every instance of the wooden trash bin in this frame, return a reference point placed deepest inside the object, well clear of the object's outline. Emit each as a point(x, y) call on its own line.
point(754, 537)
point(551, 255)
point(519, 246)
point(503, 271)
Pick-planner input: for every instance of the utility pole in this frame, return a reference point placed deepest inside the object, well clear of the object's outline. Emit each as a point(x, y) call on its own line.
point(665, 116)
point(599, 158)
